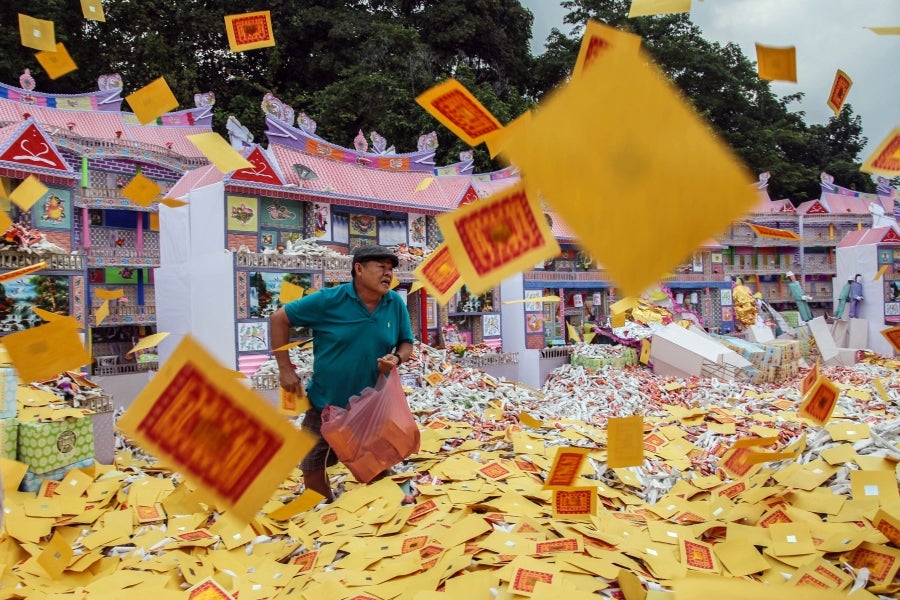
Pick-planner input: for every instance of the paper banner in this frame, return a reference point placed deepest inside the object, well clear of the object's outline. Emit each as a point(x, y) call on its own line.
point(219, 152)
point(152, 101)
point(141, 190)
point(776, 64)
point(771, 232)
point(459, 111)
point(149, 341)
point(645, 128)
point(886, 158)
point(598, 38)
point(538, 299)
point(223, 437)
point(496, 237)
point(644, 8)
point(28, 192)
point(101, 313)
point(21, 272)
point(93, 10)
point(45, 351)
point(839, 90)
point(439, 275)
point(249, 31)
point(56, 63)
point(37, 33)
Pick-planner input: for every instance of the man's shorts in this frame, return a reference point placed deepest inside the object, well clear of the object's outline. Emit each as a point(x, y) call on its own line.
point(321, 455)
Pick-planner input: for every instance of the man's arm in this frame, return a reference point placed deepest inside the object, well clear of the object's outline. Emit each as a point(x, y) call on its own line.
point(279, 335)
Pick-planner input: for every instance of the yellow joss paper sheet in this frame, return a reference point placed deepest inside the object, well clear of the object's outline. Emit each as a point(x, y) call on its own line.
point(439, 275)
point(645, 138)
point(776, 64)
point(646, 8)
point(93, 10)
point(152, 101)
point(839, 90)
point(625, 437)
point(458, 110)
point(598, 38)
point(496, 237)
point(28, 192)
point(141, 190)
point(249, 31)
point(219, 434)
point(37, 33)
point(219, 152)
point(45, 351)
point(885, 160)
point(56, 63)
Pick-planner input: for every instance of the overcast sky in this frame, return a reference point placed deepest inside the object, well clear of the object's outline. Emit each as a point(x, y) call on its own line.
point(828, 35)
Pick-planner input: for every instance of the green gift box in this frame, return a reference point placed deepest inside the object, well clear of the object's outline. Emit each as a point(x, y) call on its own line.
point(9, 436)
point(50, 445)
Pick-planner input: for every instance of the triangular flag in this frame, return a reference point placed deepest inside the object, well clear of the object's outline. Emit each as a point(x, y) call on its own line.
point(56, 63)
point(839, 90)
point(34, 149)
point(141, 190)
point(260, 172)
point(37, 33)
point(149, 342)
point(645, 8)
point(101, 313)
point(219, 152)
point(460, 112)
point(503, 234)
point(172, 202)
point(104, 294)
point(152, 101)
point(289, 292)
point(776, 64)
point(249, 31)
point(424, 184)
point(885, 160)
point(28, 192)
point(93, 10)
point(22, 271)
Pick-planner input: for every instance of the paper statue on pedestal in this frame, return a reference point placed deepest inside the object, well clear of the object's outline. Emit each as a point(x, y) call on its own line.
point(856, 296)
point(745, 311)
point(843, 297)
point(800, 297)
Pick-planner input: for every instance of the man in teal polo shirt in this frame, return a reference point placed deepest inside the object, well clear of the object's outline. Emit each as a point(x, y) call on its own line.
point(360, 329)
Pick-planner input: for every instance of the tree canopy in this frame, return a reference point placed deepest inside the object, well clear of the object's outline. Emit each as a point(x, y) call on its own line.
point(359, 64)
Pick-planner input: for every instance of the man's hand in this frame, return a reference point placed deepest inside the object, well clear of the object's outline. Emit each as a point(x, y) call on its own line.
point(388, 362)
point(290, 381)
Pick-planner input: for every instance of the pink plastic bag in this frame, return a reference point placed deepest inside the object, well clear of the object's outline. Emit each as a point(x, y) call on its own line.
point(375, 431)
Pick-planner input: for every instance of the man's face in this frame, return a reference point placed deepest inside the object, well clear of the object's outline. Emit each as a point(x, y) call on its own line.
point(375, 275)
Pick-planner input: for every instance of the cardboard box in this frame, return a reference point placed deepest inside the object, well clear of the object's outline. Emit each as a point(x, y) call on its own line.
point(55, 444)
point(9, 385)
point(32, 481)
point(9, 436)
point(677, 352)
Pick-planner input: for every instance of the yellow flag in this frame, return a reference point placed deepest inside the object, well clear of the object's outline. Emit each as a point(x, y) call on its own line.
point(56, 63)
point(93, 10)
point(289, 292)
point(644, 8)
point(459, 111)
point(149, 342)
point(102, 313)
point(886, 158)
point(28, 192)
point(37, 33)
point(776, 64)
point(103, 294)
point(497, 236)
point(152, 101)
point(141, 190)
point(249, 31)
point(45, 351)
point(219, 152)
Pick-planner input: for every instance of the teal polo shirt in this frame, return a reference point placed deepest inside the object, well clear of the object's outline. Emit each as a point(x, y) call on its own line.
point(348, 340)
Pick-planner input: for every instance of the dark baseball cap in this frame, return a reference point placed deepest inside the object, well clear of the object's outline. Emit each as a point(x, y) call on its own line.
point(367, 253)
